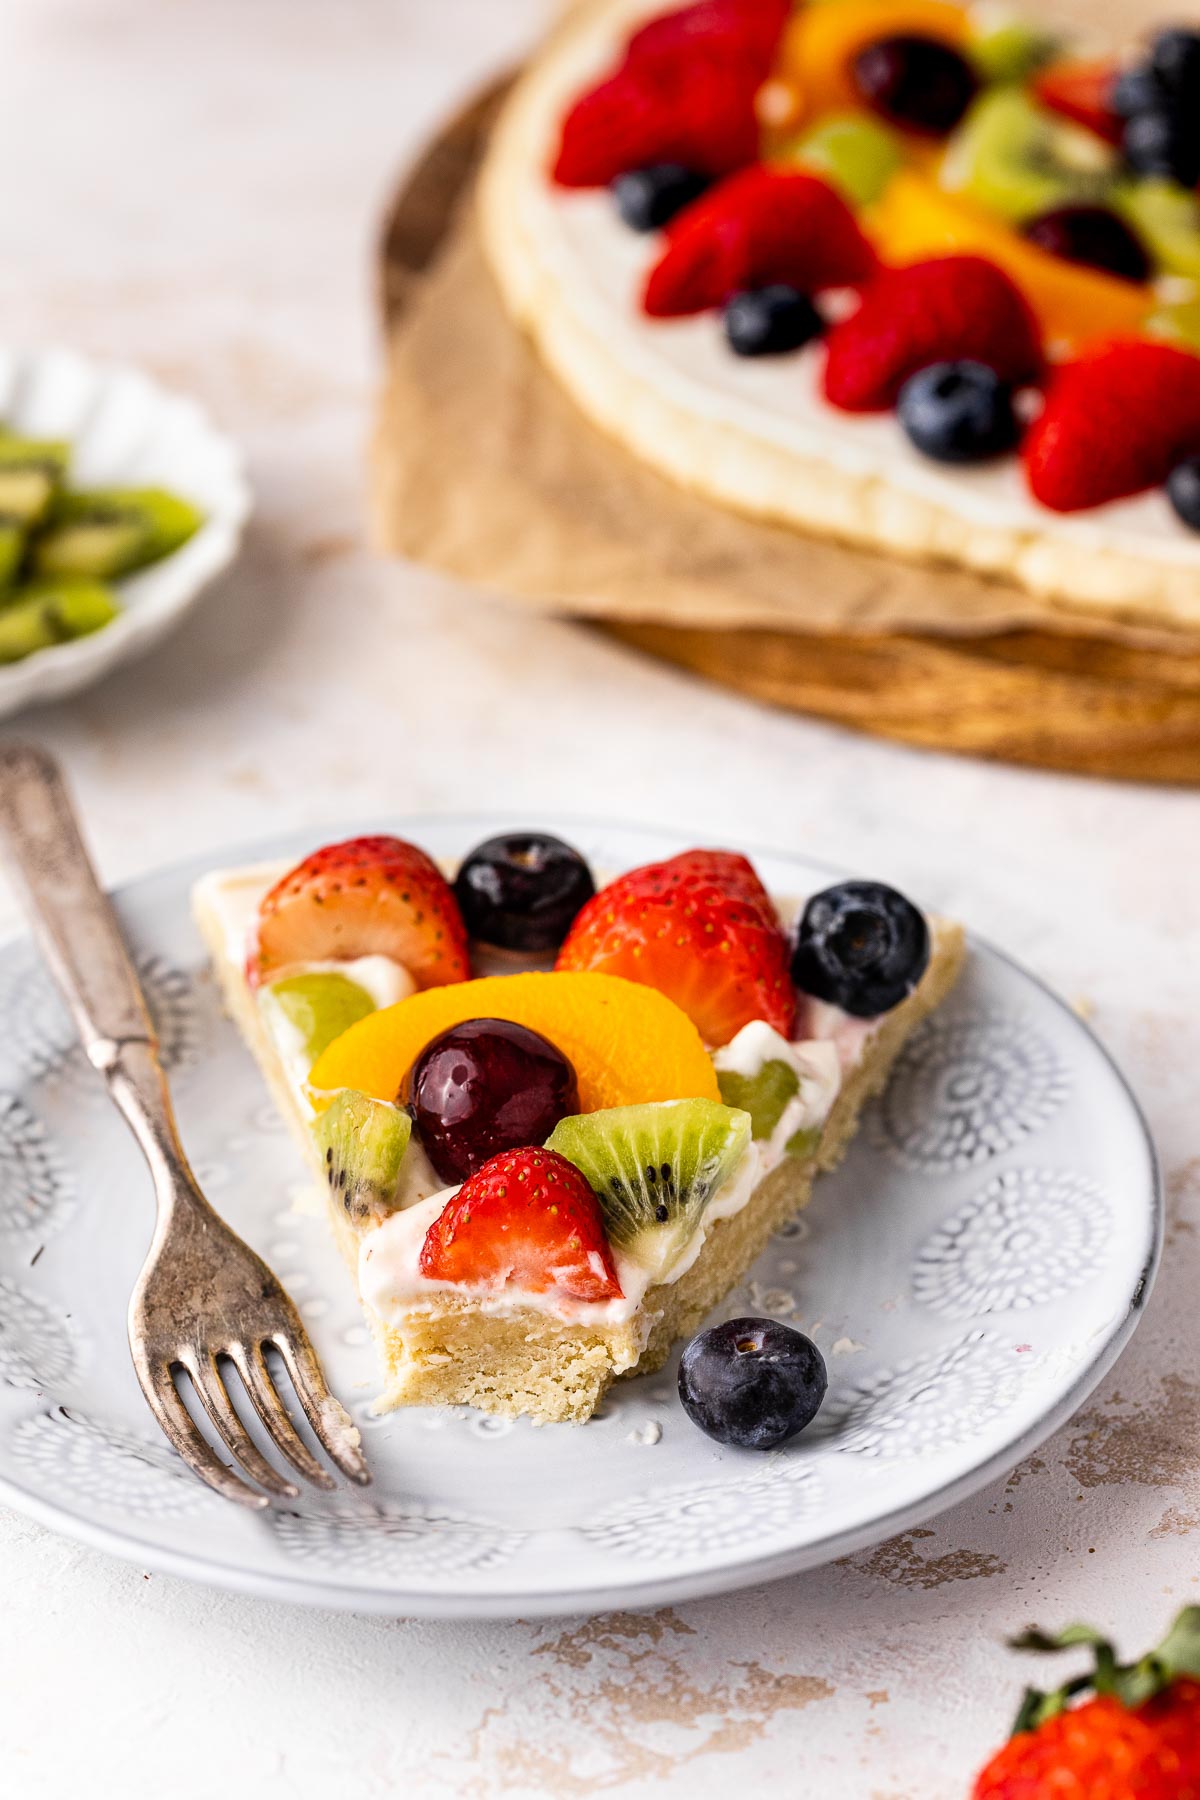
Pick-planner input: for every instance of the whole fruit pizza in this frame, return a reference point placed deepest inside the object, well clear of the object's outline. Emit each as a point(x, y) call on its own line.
point(910, 273)
point(557, 1114)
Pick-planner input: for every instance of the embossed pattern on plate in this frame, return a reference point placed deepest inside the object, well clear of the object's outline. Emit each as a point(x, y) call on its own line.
point(1007, 1159)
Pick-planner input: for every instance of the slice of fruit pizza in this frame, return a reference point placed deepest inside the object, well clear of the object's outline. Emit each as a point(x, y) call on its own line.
point(905, 272)
point(543, 1177)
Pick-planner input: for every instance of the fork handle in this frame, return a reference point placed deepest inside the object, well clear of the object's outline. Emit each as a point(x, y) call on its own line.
point(69, 912)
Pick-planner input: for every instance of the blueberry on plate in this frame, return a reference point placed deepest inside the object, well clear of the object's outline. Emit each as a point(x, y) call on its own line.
point(767, 321)
point(751, 1383)
point(647, 199)
point(522, 891)
point(1183, 491)
point(958, 412)
point(861, 946)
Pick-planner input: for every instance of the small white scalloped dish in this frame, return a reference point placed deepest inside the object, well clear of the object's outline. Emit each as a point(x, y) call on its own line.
point(970, 1272)
point(125, 431)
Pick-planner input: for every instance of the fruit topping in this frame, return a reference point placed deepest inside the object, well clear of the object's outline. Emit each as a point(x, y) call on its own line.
point(759, 227)
point(370, 896)
point(1165, 144)
point(625, 1042)
point(770, 320)
point(700, 928)
point(763, 1074)
point(522, 891)
point(1159, 101)
point(528, 1220)
point(737, 30)
point(42, 613)
point(917, 82)
point(821, 45)
point(1008, 49)
point(1166, 217)
point(1183, 491)
point(31, 472)
point(317, 1007)
point(958, 412)
point(1178, 321)
point(752, 1383)
point(1117, 420)
point(654, 1170)
point(1018, 159)
point(861, 946)
point(1083, 91)
point(485, 1086)
point(363, 1142)
point(854, 152)
point(949, 309)
point(915, 218)
point(12, 551)
point(103, 532)
point(1091, 235)
point(647, 199)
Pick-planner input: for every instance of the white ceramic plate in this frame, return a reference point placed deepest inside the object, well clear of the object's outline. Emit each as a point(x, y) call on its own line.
point(970, 1273)
point(125, 431)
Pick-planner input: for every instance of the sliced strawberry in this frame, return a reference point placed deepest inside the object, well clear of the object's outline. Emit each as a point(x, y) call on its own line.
point(948, 309)
point(700, 928)
point(527, 1219)
point(1082, 91)
point(700, 114)
point(759, 226)
point(750, 29)
point(371, 896)
point(1116, 421)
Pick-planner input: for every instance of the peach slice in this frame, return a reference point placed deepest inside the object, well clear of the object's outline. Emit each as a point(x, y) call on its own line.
point(819, 46)
point(914, 219)
point(628, 1043)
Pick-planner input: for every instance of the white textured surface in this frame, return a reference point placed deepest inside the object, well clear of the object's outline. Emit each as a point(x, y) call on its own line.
point(202, 199)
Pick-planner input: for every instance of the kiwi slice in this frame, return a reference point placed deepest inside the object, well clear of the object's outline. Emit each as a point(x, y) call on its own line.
point(1167, 219)
point(12, 549)
point(42, 613)
point(31, 472)
point(763, 1095)
point(105, 532)
point(317, 1007)
point(654, 1169)
point(1018, 159)
point(363, 1142)
point(858, 154)
point(1178, 321)
point(1007, 48)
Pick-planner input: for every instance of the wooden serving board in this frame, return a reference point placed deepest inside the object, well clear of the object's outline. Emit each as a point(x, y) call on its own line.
point(1084, 703)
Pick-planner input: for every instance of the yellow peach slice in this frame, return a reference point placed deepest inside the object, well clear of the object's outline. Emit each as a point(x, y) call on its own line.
point(816, 56)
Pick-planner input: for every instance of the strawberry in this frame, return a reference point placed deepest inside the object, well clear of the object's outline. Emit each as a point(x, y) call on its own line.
point(700, 928)
point(1116, 421)
point(744, 29)
point(1136, 1738)
point(760, 226)
point(526, 1219)
point(697, 112)
point(369, 896)
point(1082, 91)
point(943, 310)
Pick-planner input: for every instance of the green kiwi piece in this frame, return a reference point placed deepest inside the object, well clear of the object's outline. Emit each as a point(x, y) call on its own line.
point(318, 1006)
point(763, 1095)
point(857, 153)
point(362, 1142)
point(105, 532)
point(42, 613)
point(654, 1169)
point(1178, 321)
point(1018, 159)
point(1007, 48)
point(12, 549)
point(1167, 219)
point(31, 472)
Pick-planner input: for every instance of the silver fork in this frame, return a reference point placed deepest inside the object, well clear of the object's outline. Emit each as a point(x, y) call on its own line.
point(203, 1300)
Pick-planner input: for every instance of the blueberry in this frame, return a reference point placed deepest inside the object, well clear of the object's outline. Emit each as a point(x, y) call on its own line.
point(1137, 90)
point(862, 946)
point(522, 891)
point(1091, 235)
point(1175, 62)
point(649, 198)
point(751, 1383)
point(958, 412)
point(1164, 143)
point(915, 81)
point(1183, 491)
point(766, 321)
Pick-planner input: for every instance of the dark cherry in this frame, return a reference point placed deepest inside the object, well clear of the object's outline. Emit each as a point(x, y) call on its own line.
point(1091, 235)
point(522, 891)
point(917, 82)
point(486, 1086)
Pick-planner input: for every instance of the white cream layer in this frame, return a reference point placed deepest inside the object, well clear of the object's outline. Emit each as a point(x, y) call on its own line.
point(602, 264)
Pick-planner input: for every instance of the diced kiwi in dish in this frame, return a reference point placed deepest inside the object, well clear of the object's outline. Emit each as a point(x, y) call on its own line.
point(43, 613)
point(106, 532)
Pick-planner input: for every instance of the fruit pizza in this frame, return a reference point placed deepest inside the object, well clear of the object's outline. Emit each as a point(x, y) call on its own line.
point(557, 1118)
